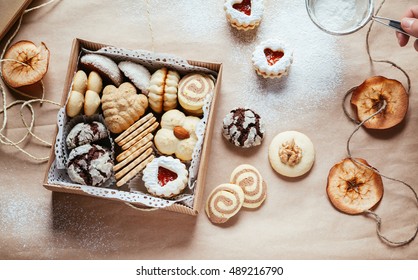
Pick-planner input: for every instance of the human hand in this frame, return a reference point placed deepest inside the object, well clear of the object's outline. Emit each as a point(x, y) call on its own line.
point(409, 24)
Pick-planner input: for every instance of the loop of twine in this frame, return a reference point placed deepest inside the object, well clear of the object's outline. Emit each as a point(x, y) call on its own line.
point(359, 125)
point(4, 140)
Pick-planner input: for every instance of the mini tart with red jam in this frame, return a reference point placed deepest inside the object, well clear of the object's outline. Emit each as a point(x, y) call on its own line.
point(165, 177)
point(272, 59)
point(244, 14)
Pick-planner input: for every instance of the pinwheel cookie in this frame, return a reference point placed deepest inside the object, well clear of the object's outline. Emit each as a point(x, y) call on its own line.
point(272, 59)
point(193, 89)
point(244, 14)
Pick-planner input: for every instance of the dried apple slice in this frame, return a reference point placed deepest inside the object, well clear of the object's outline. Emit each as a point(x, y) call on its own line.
point(25, 64)
point(370, 96)
point(353, 188)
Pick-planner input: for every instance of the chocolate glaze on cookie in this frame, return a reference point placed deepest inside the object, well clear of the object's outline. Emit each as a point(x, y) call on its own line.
point(243, 128)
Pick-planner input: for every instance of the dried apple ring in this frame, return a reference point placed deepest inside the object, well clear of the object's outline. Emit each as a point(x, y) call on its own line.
point(25, 64)
point(373, 94)
point(354, 187)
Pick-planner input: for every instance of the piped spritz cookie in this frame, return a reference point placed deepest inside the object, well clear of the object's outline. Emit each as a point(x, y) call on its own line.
point(244, 14)
point(272, 59)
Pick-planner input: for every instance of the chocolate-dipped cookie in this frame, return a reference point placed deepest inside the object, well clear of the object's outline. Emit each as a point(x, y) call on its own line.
point(243, 128)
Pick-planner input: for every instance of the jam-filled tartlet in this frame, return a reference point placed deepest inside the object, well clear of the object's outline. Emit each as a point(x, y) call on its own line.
point(244, 14)
point(272, 59)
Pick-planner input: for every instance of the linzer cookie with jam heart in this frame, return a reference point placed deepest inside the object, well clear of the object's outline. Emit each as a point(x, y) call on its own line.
point(272, 59)
point(244, 14)
point(243, 127)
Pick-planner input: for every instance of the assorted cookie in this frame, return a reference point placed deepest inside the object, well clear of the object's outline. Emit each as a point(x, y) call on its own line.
point(85, 133)
point(25, 63)
point(244, 14)
point(373, 94)
point(353, 186)
point(246, 189)
point(137, 74)
point(165, 177)
point(162, 90)
point(272, 59)
point(291, 154)
point(105, 66)
point(243, 127)
point(177, 135)
point(193, 89)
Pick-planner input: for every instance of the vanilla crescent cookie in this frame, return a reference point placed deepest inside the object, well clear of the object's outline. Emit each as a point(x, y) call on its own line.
point(193, 89)
point(244, 14)
point(224, 202)
point(249, 179)
point(105, 66)
point(165, 177)
point(138, 74)
point(291, 153)
point(272, 59)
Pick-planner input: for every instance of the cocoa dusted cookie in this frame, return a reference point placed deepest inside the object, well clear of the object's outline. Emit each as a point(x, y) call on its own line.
point(243, 128)
point(90, 165)
point(84, 133)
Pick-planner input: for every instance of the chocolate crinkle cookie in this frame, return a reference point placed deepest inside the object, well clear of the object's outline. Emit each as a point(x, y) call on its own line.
point(243, 128)
point(84, 133)
point(90, 164)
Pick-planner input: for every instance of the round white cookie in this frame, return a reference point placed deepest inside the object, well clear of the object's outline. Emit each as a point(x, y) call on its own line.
point(291, 153)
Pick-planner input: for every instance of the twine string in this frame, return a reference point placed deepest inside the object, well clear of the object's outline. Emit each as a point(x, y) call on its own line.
point(4, 140)
point(374, 215)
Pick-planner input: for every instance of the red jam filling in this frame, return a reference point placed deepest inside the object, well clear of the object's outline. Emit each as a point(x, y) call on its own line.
point(273, 56)
point(243, 7)
point(165, 176)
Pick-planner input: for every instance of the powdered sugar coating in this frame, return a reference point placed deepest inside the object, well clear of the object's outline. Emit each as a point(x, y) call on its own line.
point(279, 68)
point(84, 133)
point(138, 74)
point(104, 65)
point(243, 128)
point(239, 19)
point(171, 188)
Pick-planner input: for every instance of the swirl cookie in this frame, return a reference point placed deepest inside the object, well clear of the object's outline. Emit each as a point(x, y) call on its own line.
point(243, 128)
point(376, 92)
point(244, 14)
point(291, 153)
point(354, 187)
point(272, 59)
point(224, 202)
point(193, 89)
point(89, 165)
point(165, 177)
point(249, 179)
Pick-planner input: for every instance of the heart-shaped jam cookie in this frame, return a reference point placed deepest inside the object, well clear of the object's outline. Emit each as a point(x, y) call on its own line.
point(243, 7)
point(273, 56)
point(165, 175)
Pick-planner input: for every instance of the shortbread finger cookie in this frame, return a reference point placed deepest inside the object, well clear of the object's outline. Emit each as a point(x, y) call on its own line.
point(105, 66)
point(249, 179)
point(243, 127)
point(84, 133)
point(138, 74)
point(138, 145)
point(224, 202)
point(353, 187)
point(193, 89)
point(133, 164)
point(131, 174)
point(244, 14)
point(272, 59)
point(291, 153)
point(165, 177)
point(162, 90)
